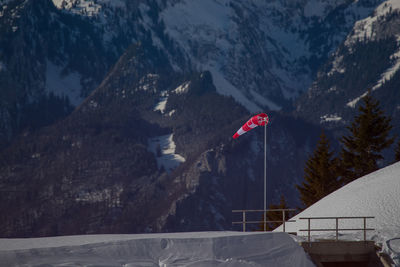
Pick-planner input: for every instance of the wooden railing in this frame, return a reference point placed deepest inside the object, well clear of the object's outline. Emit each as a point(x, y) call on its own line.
point(337, 229)
point(244, 222)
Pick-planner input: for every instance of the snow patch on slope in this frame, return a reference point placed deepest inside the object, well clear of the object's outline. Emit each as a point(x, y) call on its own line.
point(181, 89)
point(353, 103)
point(162, 102)
point(386, 76)
point(224, 87)
point(337, 66)
point(101, 13)
point(364, 29)
point(148, 82)
point(264, 101)
point(63, 84)
point(82, 7)
point(330, 118)
point(387, 7)
point(86, 7)
point(164, 149)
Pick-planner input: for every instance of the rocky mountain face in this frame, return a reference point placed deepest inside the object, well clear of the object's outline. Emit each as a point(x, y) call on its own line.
point(368, 60)
point(140, 100)
point(52, 57)
point(264, 54)
point(55, 52)
point(93, 172)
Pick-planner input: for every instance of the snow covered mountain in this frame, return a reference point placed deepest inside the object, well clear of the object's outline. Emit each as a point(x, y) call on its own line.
point(263, 54)
point(367, 60)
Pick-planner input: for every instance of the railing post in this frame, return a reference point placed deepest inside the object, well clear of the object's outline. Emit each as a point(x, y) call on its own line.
point(365, 228)
point(309, 230)
point(337, 229)
point(244, 221)
point(284, 219)
point(265, 220)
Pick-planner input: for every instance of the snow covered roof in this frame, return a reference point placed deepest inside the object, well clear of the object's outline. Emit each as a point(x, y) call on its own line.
point(376, 194)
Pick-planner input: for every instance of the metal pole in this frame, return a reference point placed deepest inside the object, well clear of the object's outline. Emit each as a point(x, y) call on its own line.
point(365, 229)
point(265, 172)
point(284, 219)
point(244, 221)
point(337, 229)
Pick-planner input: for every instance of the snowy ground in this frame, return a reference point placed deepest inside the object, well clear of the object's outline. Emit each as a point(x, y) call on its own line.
point(173, 249)
point(166, 157)
point(376, 194)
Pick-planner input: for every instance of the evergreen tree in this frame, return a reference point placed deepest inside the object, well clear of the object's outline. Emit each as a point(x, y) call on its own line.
point(369, 135)
point(275, 216)
point(320, 174)
point(397, 152)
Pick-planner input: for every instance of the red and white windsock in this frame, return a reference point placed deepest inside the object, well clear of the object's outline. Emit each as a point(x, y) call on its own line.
point(257, 120)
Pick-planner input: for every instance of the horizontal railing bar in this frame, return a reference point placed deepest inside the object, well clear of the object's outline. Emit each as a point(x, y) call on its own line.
point(325, 230)
point(261, 222)
point(263, 210)
point(280, 221)
point(322, 218)
point(249, 222)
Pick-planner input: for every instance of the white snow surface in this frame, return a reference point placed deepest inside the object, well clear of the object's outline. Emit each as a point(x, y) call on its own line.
point(353, 103)
point(183, 88)
point(168, 158)
point(162, 103)
point(232, 249)
point(376, 194)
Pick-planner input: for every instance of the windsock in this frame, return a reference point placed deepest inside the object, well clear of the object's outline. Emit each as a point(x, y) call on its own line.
point(257, 120)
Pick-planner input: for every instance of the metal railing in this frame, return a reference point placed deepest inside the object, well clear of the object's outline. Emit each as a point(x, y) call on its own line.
point(337, 229)
point(244, 222)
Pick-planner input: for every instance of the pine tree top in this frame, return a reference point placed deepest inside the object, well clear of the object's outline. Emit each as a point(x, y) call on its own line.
point(320, 173)
point(369, 135)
